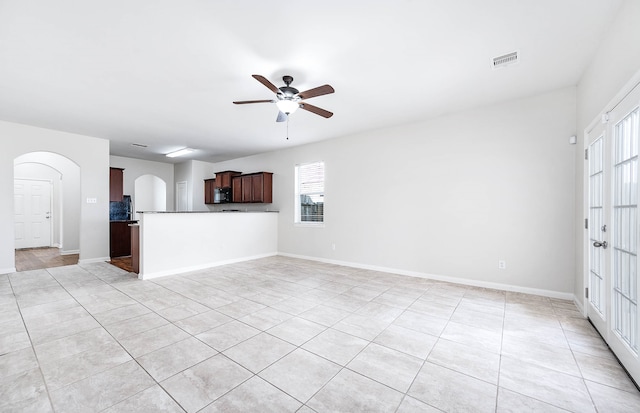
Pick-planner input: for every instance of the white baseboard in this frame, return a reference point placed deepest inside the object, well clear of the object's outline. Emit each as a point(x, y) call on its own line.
point(57, 245)
point(182, 270)
point(7, 270)
point(93, 260)
point(446, 278)
point(69, 252)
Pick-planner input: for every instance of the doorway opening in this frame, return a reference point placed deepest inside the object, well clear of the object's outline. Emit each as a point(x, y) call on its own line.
point(150, 194)
point(46, 210)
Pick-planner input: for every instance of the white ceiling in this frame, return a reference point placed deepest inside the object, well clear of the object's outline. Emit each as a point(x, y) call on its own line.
point(164, 72)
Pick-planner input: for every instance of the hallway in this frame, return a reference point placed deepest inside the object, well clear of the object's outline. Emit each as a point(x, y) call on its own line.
point(40, 258)
point(47, 257)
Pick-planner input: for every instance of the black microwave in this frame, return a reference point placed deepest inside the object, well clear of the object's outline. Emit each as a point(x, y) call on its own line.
point(221, 195)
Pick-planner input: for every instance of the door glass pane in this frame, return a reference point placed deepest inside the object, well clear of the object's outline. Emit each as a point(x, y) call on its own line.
point(625, 229)
point(596, 173)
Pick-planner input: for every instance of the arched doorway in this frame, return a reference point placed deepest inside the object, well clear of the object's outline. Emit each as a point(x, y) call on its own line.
point(150, 194)
point(51, 184)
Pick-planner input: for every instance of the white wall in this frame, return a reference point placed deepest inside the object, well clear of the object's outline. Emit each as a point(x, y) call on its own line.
point(91, 155)
point(199, 172)
point(616, 61)
point(447, 197)
point(135, 168)
point(66, 194)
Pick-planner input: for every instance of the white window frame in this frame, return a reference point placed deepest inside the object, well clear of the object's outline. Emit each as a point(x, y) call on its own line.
point(297, 207)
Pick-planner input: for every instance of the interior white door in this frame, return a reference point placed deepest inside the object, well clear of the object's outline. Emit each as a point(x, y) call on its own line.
point(32, 213)
point(181, 196)
point(614, 230)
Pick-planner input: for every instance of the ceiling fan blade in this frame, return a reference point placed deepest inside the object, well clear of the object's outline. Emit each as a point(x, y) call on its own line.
point(244, 102)
point(316, 110)
point(268, 84)
point(317, 91)
point(281, 117)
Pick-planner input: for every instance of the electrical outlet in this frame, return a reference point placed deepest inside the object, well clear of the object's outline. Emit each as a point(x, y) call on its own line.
point(502, 265)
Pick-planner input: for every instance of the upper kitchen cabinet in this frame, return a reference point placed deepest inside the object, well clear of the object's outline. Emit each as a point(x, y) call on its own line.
point(223, 179)
point(209, 191)
point(256, 187)
point(116, 184)
point(261, 187)
point(236, 189)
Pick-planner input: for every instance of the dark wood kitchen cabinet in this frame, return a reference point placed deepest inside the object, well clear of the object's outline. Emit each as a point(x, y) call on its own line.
point(116, 184)
point(223, 179)
point(246, 189)
point(120, 238)
point(257, 188)
point(236, 189)
point(262, 187)
point(135, 248)
point(209, 190)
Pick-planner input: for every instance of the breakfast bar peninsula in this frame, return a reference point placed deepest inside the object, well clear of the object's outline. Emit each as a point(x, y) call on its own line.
point(177, 242)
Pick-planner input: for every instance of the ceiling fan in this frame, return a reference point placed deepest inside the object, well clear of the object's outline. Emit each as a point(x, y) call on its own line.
point(289, 99)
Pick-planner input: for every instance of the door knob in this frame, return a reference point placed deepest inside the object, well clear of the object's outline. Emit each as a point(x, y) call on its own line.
point(603, 244)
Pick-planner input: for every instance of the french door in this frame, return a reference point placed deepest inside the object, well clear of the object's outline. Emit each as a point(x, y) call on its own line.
point(613, 229)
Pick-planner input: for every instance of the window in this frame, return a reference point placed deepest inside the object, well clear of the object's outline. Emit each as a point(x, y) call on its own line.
point(310, 193)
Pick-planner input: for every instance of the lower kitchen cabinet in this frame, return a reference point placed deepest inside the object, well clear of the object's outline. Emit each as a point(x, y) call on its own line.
point(120, 238)
point(135, 248)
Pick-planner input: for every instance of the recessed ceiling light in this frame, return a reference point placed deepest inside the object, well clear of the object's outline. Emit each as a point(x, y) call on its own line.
point(180, 152)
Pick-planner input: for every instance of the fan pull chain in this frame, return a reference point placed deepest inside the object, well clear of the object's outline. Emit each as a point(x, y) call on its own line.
point(287, 127)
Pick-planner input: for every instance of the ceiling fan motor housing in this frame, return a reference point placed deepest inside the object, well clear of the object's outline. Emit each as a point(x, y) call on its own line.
point(287, 90)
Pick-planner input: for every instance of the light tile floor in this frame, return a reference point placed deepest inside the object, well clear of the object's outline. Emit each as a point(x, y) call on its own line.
point(287, 335)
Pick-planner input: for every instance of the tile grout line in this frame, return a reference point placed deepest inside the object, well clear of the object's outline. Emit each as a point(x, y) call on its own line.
point(504, 320)
point(424, 362)
point(116, 340)
point(33, 349)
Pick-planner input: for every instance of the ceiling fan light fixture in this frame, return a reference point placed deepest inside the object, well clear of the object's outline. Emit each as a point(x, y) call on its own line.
point(287, 106)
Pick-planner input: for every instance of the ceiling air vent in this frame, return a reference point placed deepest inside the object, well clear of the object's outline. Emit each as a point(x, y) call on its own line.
point(139, 145)
point(505, 60)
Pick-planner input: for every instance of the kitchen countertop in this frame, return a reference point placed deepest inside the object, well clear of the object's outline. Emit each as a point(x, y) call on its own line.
point(199, 212)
